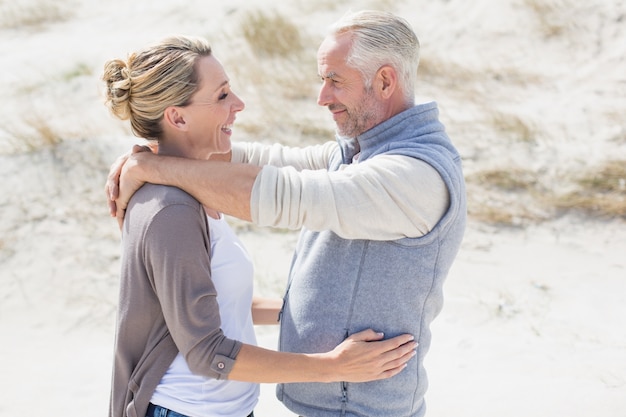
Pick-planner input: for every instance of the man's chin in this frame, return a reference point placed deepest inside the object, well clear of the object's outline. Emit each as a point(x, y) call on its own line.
point(339, 136)
point(343, 133)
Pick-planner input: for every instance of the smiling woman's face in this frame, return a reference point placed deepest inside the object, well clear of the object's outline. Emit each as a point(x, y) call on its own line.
point(212, 109)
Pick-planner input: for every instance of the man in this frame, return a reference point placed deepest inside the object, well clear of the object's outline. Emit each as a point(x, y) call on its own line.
point(382, 212)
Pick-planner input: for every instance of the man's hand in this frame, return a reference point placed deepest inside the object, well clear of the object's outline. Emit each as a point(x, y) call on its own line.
point(120, 184)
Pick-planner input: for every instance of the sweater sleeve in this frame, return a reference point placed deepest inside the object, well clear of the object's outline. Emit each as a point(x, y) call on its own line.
point(309, 157)
point(177, 259)
point(386, 197)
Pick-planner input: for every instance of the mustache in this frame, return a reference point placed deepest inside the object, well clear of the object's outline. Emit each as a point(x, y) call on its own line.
point(334, 107)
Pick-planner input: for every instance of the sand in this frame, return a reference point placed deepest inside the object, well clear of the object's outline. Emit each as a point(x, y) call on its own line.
point(533, 322)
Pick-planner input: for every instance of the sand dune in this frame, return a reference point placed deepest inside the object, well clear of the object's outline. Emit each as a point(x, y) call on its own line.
point(533, 321)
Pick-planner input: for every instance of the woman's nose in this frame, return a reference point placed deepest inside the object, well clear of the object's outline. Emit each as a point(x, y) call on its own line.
point(238, 105)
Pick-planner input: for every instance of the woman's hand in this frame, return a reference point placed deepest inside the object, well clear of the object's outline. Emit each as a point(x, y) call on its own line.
point(364, 356)
point(266, 310)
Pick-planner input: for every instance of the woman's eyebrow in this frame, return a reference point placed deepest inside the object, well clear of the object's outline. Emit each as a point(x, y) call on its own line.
point(222, 85)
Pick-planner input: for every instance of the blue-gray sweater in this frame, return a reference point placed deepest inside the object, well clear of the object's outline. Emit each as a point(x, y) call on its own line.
point(338, 287)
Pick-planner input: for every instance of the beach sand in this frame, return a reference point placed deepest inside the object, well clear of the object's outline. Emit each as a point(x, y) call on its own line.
point(533, 322)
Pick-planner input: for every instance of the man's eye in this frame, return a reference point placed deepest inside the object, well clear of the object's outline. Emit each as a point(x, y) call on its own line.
point(223, 96)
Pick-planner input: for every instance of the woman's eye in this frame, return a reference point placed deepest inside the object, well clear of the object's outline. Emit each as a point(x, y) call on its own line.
point(223, 96)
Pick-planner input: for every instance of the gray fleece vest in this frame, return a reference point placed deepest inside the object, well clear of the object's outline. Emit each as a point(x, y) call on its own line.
point(338, 287)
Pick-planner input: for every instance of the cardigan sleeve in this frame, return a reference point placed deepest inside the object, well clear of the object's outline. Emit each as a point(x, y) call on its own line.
point(177, 260)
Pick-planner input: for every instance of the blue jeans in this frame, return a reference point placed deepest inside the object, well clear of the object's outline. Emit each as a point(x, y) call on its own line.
point(158, 411)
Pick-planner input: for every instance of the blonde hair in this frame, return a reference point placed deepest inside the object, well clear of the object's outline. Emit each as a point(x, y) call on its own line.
point(381, 38)
point(149, 81)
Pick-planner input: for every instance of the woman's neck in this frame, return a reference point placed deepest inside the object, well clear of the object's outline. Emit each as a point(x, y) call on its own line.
point(170, 149)
point(166, 148)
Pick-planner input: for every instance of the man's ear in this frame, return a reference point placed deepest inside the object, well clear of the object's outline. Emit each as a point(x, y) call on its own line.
point(175, 118)
point(386, 81)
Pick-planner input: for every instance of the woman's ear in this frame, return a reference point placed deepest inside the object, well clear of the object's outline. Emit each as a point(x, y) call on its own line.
point(387, 81)
point(175, 118)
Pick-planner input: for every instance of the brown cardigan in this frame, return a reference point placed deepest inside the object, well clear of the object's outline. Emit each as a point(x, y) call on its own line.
point(167, 300)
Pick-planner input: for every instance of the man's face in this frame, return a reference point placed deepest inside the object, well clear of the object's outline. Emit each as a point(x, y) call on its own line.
point(355, 107)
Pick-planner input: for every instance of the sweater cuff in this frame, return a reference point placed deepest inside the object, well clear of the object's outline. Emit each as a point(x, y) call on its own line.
point(222, 365)
point(238, 153)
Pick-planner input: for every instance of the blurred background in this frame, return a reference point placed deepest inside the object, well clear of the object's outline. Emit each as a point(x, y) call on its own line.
point(532, 92)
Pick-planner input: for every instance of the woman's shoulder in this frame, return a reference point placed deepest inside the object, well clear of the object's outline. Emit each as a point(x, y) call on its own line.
point(159, 196)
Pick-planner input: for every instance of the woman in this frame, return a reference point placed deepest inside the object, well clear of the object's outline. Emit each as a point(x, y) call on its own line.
point(185, 340)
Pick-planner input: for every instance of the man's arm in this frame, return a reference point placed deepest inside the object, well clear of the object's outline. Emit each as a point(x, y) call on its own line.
point(411, 194)
point(384, 198)
point(223, 186)
point(310, 157)
point(143, 168)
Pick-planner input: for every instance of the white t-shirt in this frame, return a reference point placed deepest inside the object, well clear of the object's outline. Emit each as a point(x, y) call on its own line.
point(198, 396)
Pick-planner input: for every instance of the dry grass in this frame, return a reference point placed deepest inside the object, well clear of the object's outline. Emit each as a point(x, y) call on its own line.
point(513, 127)
point(280, 62)
point(509, 210)
point(515, 197)
point(555, 17)
point(601, 192)
point(80, 69)
point(36, 132)
point(509, 180)
point(506, 197)
point(33, 13)
point(38, 128)
point(77, 70)
point(36, 123)
point(271, 34)
point(444, 72)
point(494, 215)
point(279, 81)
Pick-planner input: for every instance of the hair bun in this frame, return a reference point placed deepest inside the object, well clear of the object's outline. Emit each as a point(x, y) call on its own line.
point(117, 77)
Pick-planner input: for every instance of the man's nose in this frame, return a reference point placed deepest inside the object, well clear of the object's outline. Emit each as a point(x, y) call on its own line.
point(324, 98)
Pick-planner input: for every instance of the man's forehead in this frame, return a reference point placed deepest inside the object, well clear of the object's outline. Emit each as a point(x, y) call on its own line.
point(333, 53)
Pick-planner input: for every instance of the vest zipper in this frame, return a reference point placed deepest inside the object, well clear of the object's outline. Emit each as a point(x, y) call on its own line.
point(344, 398)
point(344, 387)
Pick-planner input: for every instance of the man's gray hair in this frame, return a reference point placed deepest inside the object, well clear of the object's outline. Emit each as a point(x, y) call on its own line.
point(382, 38)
